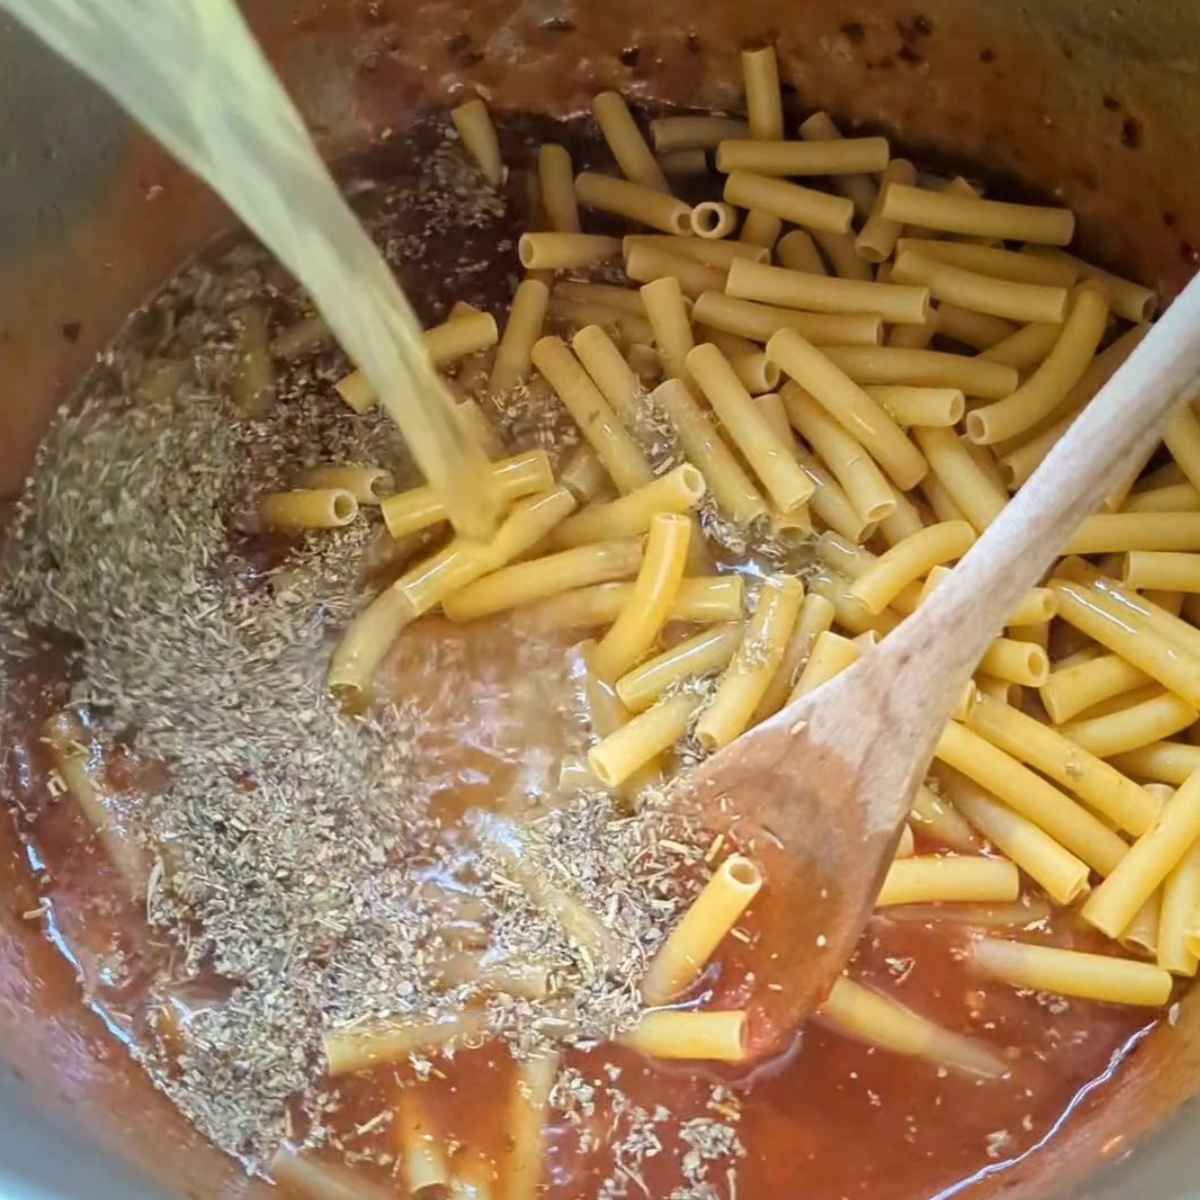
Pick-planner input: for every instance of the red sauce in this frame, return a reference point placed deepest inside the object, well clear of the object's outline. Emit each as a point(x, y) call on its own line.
point(833, 1119)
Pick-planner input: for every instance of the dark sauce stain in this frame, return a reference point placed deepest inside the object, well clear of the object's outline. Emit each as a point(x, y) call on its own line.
point(987, 55)
point(71, 330)
point(1131, 133)
point(907, 54)
point(694, 44)
point(629, 56)
point(1111, 103)
point(855, 32)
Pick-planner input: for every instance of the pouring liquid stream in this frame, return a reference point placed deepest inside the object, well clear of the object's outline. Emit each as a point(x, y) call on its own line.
point(191, 72)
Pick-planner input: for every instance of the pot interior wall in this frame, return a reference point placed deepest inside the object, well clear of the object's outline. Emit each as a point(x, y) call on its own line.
point(1075, 100)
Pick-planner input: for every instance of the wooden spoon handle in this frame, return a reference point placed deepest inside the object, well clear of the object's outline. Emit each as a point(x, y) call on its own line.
point(948, 635)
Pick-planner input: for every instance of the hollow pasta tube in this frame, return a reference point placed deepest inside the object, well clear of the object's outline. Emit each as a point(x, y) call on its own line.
point(798, 252)
point(634, 631)
point(1096, 782)
point(1129, 632)
point(731, 488)
point(936, 407)
point(634, 201)
point(712, 219)
point(1063, 875)
point(646, 262)
point(815, 618)
point(523, 474)
point(924, 368)
point(368, 485)
point(367, 638)
point(744, 681)
point(679, 491)
point(704, 1036)
point(711, 253)
point(419, 1144)
point(694, 133)
point(859, 189)
point(701, 600)
point(1069, 823)
point(868, 1016)
point(253, 375)
point(1074, 688)
point(1016, 662)
point(618, 755)
point(770, 458)
point(1175, 951)
point(1024, 349)
point(1129, 300)
point(526, 1126)
point(899, 304)
point(1173, 571)
point(309, 1177)
point(1071, 972)
point(952, 213)
point(831, 654)
point(927, 877)
point(668, 314)
point(773, 156)
point(565, 251)
point(864, 483)
point(556, 178)
point(876, 241)
point(524, 327)
point(1139, 724)
point(711, 650)
point(474, 125)
point(910, 560)
point(862, 418)
point(760, 322)
point(614, 446)
point(1039, 396)
point(308, 508)
point(709, 918)
point(1161, 762)
point(988, 260)
point(1023, 302)
point(971, 489)
point(624, 138)
point(535, 579)
point(788, 201)
point(366, 1045)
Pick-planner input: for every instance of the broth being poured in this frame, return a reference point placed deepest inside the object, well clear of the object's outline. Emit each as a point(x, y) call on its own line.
point(464, 942)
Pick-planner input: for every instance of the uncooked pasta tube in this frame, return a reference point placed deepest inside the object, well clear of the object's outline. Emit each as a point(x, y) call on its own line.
point(980, 218)
point(789, 201)
point(634, 157)
point(877, 239)
point(474, 125)
point(743, 683)
point(710, 916)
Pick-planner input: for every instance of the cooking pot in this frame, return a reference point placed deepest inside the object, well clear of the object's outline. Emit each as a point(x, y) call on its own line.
point(1093, 103)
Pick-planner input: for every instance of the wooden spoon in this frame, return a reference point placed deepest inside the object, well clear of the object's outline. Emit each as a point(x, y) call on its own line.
point(819, 793)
